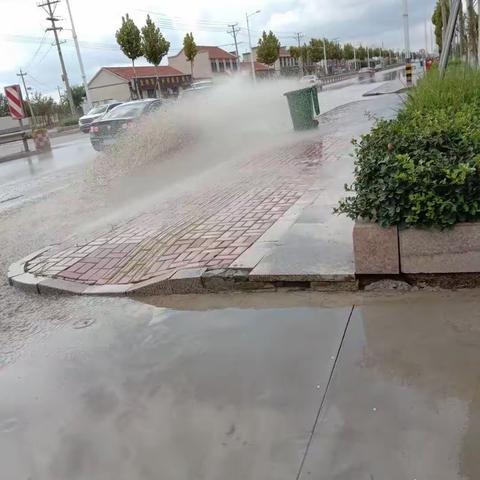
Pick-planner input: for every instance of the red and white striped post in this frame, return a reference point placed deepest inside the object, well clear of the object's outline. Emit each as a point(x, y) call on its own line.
point(15, 106)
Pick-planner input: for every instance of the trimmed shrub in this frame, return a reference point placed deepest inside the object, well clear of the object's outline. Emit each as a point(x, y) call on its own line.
point(422, 168)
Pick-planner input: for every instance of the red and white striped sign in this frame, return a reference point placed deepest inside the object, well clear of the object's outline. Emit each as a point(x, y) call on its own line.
point(15, 104)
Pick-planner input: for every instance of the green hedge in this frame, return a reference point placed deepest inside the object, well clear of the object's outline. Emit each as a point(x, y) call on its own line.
point(68, 122)
point(422, 168)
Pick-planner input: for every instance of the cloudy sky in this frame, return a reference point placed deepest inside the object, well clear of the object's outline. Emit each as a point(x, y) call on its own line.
point(24, 43)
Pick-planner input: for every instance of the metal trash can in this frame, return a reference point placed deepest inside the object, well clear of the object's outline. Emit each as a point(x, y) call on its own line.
point(303, 105)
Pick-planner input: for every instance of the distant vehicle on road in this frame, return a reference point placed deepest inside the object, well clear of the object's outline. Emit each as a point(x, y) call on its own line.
point(201, 84)
point(378, 67)
point(194, 92)
point(366, 74)
point(104, 131)
point(94, 114)
point(312, 80)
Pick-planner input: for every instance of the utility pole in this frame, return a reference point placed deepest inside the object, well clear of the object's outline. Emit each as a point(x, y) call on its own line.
point(354, 58)
point(47, 6)
point(234, 32)
point(252, 63)
point(79, 56)
point(406, 30)
point(452, 22)
point(300, 60)
point(478, 28)
point(368, 57)
point(27, 96)
point(426, 40)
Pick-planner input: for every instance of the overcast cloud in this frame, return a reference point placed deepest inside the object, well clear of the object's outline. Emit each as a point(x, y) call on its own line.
point(360, 21)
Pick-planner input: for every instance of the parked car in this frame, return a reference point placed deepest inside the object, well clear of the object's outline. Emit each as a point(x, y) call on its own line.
point(104, 131)
point(94, 114)
point(366, 74)
point(312, 80)
point(194, 92)
point(200, 84)
point(378, 67)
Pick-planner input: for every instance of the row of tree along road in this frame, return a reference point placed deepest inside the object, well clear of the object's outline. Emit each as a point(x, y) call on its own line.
point(150, 43)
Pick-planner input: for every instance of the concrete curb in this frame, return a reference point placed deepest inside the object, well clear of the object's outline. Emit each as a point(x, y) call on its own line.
point(187, 281)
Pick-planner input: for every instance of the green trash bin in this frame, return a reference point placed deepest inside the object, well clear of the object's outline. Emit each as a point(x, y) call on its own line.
point(303, 105)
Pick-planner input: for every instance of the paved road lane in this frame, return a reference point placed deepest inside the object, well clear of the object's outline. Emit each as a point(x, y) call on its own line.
point(26, 179)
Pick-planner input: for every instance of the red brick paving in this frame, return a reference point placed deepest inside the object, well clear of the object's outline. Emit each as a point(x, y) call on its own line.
point(209, 229)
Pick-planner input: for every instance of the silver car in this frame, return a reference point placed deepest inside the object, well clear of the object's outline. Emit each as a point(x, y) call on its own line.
point(312, 80)
point(94, 114)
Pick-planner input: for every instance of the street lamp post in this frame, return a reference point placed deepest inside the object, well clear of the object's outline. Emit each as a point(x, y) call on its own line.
point(252, 63)
point(79, 57)
point(406, 30)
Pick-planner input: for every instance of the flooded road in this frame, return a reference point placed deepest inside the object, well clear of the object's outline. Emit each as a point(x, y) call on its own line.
point(27, 179)
point(273, 386)
point(250, 386)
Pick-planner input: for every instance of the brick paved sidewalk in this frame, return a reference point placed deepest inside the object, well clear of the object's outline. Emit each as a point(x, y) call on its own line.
point(209, 229)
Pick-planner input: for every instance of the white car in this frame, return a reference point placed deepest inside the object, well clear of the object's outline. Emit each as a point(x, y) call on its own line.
point(312, 80)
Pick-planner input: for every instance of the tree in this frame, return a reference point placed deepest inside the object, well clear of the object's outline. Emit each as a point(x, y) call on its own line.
point(294, 52)
point(4, 111)
point(78, 94)
point(305, 54)
point(361, 53)
point(462, 33)
point(472, 32)
point(154, 45)
point(190, 49)
point(129, 39)
point(437, 20)
point(268, 49)
point(348, 51)
point(316, 50)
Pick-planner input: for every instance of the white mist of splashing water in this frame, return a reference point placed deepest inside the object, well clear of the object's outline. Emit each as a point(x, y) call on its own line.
point(231, 119)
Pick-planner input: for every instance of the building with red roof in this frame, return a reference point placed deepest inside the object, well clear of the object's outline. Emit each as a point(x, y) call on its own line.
point(209, 62)
point(120, 83)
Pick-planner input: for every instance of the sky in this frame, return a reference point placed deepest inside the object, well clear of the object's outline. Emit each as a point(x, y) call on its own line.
point(25, 44)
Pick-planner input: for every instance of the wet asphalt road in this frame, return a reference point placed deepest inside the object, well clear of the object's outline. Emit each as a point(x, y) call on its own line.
point(287, 386)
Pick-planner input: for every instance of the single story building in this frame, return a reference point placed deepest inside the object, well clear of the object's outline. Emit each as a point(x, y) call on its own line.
point(284, 63)
point(208, 63)
point(119, 83)
point(261, 70)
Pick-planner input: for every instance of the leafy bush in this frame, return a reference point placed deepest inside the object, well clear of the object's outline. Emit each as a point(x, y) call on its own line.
point(422, 168)
point(68, 122)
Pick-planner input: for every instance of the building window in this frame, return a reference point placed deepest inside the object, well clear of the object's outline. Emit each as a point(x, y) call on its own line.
point(221, 65)
point(214, 66)
point(228, 64)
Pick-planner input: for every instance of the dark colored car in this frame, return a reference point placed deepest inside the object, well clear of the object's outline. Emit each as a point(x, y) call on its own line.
point(366, 75)
point(94, 114)
point(103, 132)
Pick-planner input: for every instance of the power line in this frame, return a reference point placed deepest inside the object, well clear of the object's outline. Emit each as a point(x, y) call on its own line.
point(201, 22)
point(37, 51)
point(45, 55)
